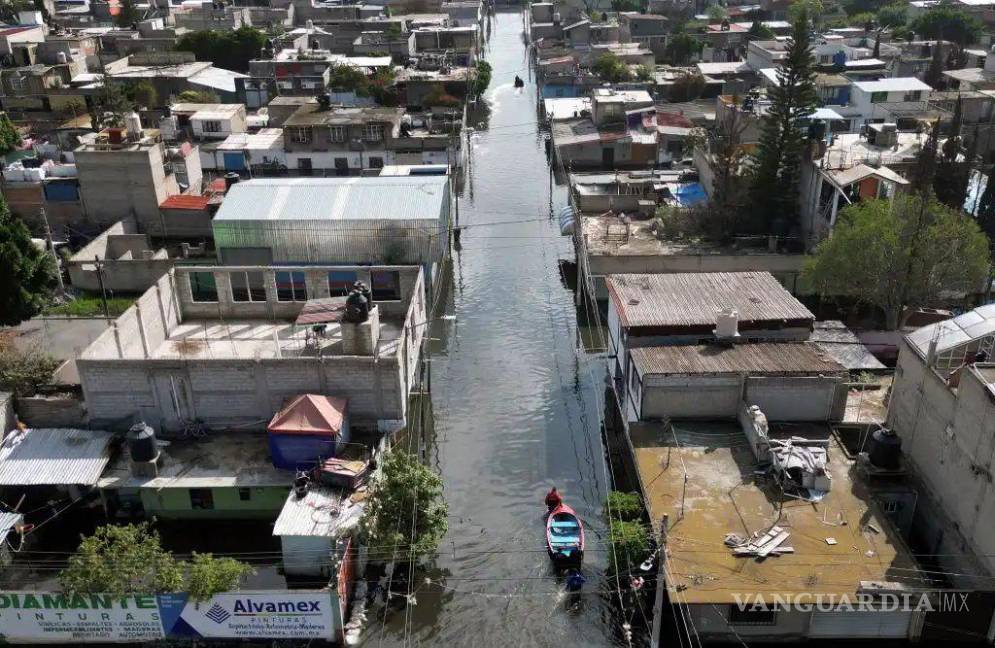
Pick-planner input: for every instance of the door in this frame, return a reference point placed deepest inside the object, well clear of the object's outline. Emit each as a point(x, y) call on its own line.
point(860, 625)
point(304, 166)
point(173, 397)
point(235, 161)
point(341, 166)
point(608, 157)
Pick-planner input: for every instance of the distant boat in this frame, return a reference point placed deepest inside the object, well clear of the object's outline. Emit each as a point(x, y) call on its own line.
point(518, 82)
point(564, 536)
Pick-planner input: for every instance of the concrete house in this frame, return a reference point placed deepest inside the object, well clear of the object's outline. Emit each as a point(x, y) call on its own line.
point(457, 44)
point(119, 260)
point(324, 141)
point(228, 345)
point(648, 310)
point(123, 174)
point(942, 407)
point(879, 100)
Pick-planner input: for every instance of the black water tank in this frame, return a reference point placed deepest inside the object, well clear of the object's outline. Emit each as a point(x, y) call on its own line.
point(141, 443)
point(885, 449)
point(231, 178)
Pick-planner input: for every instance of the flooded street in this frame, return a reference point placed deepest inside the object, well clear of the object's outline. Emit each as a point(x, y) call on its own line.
point(515, 404)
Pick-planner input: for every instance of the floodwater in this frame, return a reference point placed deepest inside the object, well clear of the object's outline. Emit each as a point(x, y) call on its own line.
point(515, 403)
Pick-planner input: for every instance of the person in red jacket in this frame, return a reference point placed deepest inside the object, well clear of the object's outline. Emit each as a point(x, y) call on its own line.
point(553, 499)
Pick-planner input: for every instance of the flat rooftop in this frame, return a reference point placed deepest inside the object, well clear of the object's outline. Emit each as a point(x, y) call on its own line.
point(261, 339)
point(756, 359)
point(215, 461)
point(724, 496)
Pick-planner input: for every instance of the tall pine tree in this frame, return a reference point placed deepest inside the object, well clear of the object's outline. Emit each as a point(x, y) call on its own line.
point(774, 185)
point(953, 169)
point(28, 272)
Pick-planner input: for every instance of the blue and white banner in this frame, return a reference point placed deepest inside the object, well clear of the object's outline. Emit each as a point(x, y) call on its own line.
point(251, 615)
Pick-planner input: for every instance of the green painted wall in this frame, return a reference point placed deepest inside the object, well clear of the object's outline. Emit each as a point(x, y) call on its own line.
point(264, 502)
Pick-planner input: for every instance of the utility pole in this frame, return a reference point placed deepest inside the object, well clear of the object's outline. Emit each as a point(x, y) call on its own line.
point(100, 280)
point(55, 257)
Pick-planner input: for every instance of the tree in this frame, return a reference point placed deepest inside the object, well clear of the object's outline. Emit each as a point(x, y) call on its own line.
point(644, 73)
point(121, 560)
point(774, 186)
point(810, 9)
point(715, 13)
point(681, 47)
point(406, 513)
point(208, 575)
point(934, 73)
point(729, 191)
point(142, 93)
point(687, 87)
point(10, 138)
point(628, 538)
point(23, 371)
point(945, 22)
point(611, 68)
point(953, 169)
point(483, 80)
point(127, 14)
point(986, 209)
point(900, 256)
point(110, 105)
point(626, 5)
point(893, 15)
point(231, 50)
point(197, 96)
point(759, 31)
point(28, 271)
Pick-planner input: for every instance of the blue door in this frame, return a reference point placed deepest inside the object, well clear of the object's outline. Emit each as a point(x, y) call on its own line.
point(235, 161)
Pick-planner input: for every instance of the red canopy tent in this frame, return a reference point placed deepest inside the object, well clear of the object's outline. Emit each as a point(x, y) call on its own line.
point(309, 428)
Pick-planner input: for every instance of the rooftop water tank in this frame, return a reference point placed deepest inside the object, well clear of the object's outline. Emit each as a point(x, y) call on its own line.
point(885, 449)
point(141, 443)
point(134, 125)
point(727, 323)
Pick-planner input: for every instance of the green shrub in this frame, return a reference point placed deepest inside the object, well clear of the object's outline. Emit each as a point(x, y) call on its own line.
point(624, 506)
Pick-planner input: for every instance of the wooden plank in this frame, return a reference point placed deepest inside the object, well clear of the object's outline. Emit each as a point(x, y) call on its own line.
point(773, 544)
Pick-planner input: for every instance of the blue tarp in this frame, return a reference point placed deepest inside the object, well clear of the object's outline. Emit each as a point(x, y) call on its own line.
point(690, 194)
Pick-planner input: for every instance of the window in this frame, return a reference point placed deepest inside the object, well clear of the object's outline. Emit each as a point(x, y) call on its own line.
point(244, 494)
point(202, 287)
point(336, 133)
point(373, 132)
point(247, 287)
point(750, 616)
point(300, 134)
point(340, 282)
point(915, 95)
point(386, 285)
point(304, 166)
point(879, 97)
point(201, 499)
point(375, 162)
point(825, 59)
point(210, 126)
point(291, 286)
point(892, 507)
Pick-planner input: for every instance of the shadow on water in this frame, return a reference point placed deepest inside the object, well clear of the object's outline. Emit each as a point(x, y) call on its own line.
point(514, 403)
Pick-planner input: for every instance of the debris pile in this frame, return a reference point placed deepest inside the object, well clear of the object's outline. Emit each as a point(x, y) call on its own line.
point(760, 545)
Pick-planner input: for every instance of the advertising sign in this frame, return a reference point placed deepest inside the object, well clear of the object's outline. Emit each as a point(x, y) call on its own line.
point(251, 615)
point(47, 617)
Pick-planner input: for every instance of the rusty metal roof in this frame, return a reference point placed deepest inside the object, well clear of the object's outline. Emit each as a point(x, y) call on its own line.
point(754, 359)
point(693, 299)
point(184, 201)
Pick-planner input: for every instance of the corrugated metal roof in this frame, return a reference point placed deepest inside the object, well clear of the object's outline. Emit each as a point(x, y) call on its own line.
point(53, 457)
point(333, 199)
point(760, 358)
point(7, 522)
point(841, 344)
point(198, 203)
point(322, 512)
point(693, 299)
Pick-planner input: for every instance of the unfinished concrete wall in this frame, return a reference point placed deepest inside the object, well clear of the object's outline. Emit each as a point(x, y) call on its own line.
point(795, 398)
point(245, 393)
point(51, 412)
point(129, 264)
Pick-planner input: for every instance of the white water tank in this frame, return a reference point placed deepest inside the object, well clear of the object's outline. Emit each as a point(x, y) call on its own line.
point(133, 123)
point(61, 58)
point(309, 25)
point(727, 323)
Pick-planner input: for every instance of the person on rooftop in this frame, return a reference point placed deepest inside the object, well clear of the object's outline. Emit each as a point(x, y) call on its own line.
point(553, 499)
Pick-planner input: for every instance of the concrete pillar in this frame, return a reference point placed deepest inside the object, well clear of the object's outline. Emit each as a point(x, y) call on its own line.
point(317, 284)
point(222, 282)
point(141, 330)
point(362, 338)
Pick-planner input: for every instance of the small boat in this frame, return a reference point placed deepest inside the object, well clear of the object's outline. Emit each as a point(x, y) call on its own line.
point(518, 82)
point(564, 536)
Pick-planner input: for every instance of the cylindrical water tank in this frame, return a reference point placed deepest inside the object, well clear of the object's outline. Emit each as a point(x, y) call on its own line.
point(885, 449)
point(61, 58)
point(141, 443)
point(727, 323)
